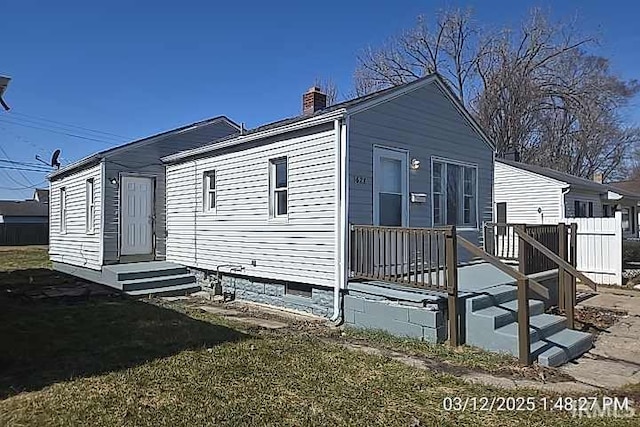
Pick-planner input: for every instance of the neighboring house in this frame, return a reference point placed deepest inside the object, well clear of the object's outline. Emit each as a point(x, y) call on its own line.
point(23, 223)
point(41, 195)
point(109, 208)
point(270, 209)
point(633, 186)
point(532, 194)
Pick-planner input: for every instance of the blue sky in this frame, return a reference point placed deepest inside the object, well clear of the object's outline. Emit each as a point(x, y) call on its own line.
point(134, 68)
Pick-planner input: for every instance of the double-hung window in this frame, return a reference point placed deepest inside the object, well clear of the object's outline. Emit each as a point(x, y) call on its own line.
point(278, 187)
point(90, 206)
point(454, 189)
point(209, 195)
point(63, 210)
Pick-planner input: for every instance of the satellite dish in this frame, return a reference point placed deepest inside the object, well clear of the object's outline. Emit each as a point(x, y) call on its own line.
point(4, 82)
point(54, 159)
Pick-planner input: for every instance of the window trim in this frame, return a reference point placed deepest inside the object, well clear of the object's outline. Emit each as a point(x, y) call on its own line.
point(207, 192)
point(273, 200)
point(445, 160)
point(90, 206)
point(62, 224)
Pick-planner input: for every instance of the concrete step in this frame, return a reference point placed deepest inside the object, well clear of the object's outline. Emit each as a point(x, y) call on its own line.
point(142, 270)
point(158, 282)
point(166, 290)
point(508, 312)
point(494, 296)
point(540, 326)
point(562, 347)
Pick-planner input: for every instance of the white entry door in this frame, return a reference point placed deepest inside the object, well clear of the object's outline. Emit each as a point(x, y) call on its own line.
point(136, 215)
point(390, 187)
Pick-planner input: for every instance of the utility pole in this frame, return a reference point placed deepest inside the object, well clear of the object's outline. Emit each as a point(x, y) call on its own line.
point(4, 82)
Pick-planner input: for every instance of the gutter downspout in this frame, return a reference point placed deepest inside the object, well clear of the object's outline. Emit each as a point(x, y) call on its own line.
point(339, 201)
point(563, 205)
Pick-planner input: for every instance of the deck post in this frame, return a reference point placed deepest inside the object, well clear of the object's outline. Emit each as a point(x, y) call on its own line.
point(524, 346)
point(571, 294)
point(562, 252)
point(451, 256)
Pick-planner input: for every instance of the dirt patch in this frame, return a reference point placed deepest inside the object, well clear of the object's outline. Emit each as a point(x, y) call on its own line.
point(593, 320)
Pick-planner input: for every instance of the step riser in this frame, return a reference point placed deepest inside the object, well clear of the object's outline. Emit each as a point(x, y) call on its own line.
point(160, 283)
point(512, 316)
point(166, 291)
point(480, 302)
point(149, 274)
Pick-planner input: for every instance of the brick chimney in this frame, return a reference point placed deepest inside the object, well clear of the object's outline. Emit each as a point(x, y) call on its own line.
point(313, 100)
point(597, 177)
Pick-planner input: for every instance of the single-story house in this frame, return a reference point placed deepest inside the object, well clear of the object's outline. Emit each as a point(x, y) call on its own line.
point(532, 194)
point(309, 213)
point(23, 222)
point(109, 208)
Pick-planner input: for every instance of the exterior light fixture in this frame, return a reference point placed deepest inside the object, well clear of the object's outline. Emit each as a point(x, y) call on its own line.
point(415, 164)
point(113, 181)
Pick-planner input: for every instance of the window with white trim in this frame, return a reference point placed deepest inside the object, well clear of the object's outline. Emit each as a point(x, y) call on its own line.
point(278, 183)
point(63, 210)
point(454, 189)
point(90, 206)
point(209, 185)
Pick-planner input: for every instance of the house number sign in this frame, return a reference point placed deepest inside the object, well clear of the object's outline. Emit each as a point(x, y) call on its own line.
point(358, 179)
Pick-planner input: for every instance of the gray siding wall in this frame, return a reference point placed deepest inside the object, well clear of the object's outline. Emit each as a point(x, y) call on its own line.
point(582, 196)
point(426, 123)
point(144, 159)
point(298, 249)
point(525, 192)
point(76, 246)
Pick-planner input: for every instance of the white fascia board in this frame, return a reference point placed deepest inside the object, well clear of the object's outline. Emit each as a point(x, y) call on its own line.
point(611, 195)
point(312, 121)
point(537, 175)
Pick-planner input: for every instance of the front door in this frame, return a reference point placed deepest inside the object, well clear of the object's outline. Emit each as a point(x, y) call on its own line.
point(136, 215)
point(390, 187)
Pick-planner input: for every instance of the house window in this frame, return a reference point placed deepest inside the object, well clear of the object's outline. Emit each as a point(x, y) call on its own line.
point(454, 189)
point(63, 210)
point(582, 209)
point(626, 219)
point(90, 206)
point(298, 290)
point(278, 187)
point(606, 211)
point(501, 217)
point(209, 195)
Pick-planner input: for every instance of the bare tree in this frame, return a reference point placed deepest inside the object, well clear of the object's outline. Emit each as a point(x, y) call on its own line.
point(329, 88)
point(535, 90)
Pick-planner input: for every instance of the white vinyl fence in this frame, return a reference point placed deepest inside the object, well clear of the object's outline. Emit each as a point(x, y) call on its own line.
point(599, 248)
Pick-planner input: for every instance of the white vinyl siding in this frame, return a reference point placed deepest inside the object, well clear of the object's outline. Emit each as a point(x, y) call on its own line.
point(525, 193)
point(62, 229)
point(301, 249)
point(75, 246)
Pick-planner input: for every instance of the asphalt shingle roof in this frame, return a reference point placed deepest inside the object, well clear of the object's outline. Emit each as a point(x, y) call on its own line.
point(23, 208)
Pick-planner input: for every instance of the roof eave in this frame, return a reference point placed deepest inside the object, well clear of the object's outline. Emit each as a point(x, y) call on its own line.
point(302, 124)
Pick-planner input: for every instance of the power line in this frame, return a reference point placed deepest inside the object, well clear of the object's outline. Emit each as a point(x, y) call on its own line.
point(25, 187)
point(26, 169)
point(21, 121)
point(27, 180)
point(69, 125)
point(21, 163)
point(59, 132)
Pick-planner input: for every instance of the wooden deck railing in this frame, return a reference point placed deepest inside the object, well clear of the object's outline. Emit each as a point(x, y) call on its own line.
point(420, 257)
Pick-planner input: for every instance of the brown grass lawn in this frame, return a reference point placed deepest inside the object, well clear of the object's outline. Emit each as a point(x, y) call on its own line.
point(110, 360)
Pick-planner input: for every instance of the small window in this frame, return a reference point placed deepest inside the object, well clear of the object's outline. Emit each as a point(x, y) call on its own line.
point(278, 182)
point(63, 210)
point(209, 184)
point(298, 289)
point(90, 206)
point(501, 217)
point(590, 209)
